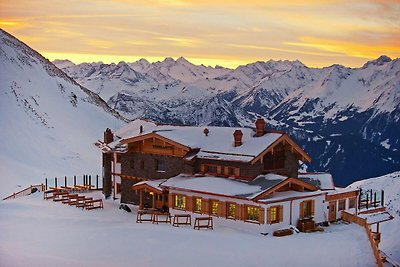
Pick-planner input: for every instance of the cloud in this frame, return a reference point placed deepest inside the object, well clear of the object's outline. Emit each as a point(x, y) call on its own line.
point(313, 31)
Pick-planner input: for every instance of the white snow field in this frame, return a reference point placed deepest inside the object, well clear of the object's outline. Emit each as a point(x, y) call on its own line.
point(37, 232)
point(48, 123)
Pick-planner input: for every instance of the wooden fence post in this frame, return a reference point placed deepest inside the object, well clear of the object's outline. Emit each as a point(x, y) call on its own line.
point(90, 181)
point(55, 182)
point(74, 180)
point(65, 181)
point(382, 198)
point(46, 182)
point(97, 181)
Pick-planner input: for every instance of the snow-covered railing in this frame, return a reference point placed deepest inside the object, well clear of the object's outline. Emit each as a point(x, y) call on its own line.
point(363, 222)
point(27, 191)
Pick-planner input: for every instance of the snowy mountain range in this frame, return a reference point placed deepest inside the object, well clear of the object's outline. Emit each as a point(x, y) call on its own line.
point(347, 118)
point(49, 122)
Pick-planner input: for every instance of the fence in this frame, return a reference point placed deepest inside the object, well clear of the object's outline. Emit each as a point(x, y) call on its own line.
point(95, 183)
point(27, 191)
point(363, 222)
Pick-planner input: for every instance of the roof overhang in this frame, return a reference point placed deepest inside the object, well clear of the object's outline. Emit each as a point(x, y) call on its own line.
point(286, 138)
point(288, 181)
point(154, 135)
point(146, 187)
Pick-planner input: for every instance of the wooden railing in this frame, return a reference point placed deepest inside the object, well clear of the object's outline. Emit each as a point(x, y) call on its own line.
point(363, 222)
point(26, 192)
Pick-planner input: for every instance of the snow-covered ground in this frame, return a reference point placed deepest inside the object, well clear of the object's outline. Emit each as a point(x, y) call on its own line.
point(390, 183)
point(36, 232)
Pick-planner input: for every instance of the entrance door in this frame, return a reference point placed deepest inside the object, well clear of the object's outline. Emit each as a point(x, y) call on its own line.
point(332, 211)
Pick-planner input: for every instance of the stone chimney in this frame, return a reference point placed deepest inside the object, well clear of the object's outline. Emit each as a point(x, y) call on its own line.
point(237, 136)
point(107, 159)
point(260, 127)
point(206, 131)
point(108, 136)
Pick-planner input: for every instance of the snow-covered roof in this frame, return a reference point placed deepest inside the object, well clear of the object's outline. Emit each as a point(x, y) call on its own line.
point(340, 190)
point(373, 218)
point(278, 196)
point(217, 144)
point(153, 183)
point(224, 186)
point(322, 180)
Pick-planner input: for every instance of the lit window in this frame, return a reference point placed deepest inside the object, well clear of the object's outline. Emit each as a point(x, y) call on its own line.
point(352, 203)
point(214, 207)
point(180, 202)
point(274, 215)
point(253, 213)
point(342, 204)
point(231, 210)
point(197, 205)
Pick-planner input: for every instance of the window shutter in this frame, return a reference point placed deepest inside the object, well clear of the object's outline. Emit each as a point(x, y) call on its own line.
point(226, 170)
point(205, 206)
point(171, 198)
point(312, 207)
point(219, 170)
point(261, 216)
point(202, 168)
point(237, 212)
point(222, 209)
point(269, 215)
point(189, 204)
point(301, 210)
point(280, 213)
point(237, 171)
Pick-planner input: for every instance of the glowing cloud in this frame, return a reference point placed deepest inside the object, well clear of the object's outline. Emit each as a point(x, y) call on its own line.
point(228, 33)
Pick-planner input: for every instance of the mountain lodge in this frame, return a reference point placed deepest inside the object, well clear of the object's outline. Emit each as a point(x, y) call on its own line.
point(234, 173)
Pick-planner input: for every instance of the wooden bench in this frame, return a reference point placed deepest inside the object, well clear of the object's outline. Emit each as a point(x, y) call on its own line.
point(49, 194)
point(92, 204)
point(70, 198)
point(82, 187)
point(60, 196)
point(161, 217)
point(203, 223)
point(82, 202)
point(142, 216)
point(79, 199)
point(187, 220)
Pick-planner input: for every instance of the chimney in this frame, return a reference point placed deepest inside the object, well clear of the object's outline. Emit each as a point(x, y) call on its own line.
point(237, 136)
point(206, 131)
point(260, 127)
point(108, 136)
point(141, 129)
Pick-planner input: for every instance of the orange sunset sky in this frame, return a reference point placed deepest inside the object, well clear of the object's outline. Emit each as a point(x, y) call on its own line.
point(227, 33)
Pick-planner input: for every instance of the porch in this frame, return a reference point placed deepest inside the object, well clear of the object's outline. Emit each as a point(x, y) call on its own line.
point(151, 196)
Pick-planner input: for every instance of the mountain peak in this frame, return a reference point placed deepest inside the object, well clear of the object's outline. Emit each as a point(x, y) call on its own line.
point(63, 63)
point(183, 60)
point(169, 60)
point(379, 61)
